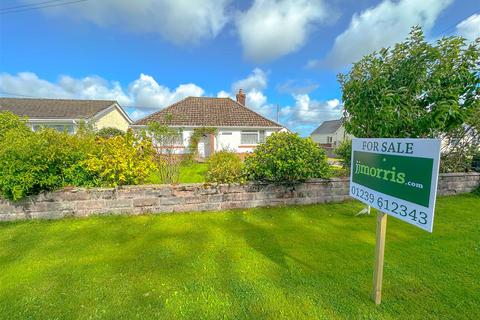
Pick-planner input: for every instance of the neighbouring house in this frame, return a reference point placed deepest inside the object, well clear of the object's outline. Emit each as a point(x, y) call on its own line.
point(67, 114)
point(238, 128)
point(330, 134)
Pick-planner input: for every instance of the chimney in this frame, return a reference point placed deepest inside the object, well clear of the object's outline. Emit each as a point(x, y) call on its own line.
point(241, 97)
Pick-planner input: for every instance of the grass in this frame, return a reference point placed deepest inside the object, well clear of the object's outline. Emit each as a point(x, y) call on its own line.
point(189, 173)
point(194, 172)
point(304, 262)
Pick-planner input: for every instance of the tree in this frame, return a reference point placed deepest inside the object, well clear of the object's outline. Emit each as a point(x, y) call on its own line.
point(415, 89)
point(165, 139)
point(344, 151)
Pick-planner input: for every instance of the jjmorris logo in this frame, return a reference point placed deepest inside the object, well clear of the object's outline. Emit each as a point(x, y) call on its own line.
point(391, 174)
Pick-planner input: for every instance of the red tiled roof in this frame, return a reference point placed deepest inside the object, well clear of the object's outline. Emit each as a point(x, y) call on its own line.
point(208, 112)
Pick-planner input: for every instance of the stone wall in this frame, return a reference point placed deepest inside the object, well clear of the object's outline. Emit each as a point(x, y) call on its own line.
point(80, 202)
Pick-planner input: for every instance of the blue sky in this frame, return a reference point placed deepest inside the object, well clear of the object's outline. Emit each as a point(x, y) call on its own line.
point(148, 54)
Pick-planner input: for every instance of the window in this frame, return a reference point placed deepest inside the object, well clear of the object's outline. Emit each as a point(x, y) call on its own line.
point(329, 139)
point(178, 139)
point(173, 139)
point(262, 136)
point(59, 127)
point(249, 137)
point(226, 133)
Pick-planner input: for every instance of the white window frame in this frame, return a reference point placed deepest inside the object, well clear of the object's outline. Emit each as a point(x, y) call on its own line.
point(262, 136)
point(249, 133)
point(69, 128)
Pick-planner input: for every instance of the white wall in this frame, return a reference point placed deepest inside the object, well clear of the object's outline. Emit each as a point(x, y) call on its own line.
point(224, 141)
point(232, 141)
point(337, 137)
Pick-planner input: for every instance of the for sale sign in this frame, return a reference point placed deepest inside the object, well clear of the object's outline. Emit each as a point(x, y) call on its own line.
point(397, 176)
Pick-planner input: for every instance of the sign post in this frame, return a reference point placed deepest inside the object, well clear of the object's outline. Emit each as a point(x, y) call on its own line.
point(379, 254)
point(398, 177)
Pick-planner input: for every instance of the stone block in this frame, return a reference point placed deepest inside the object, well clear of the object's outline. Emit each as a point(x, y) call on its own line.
point(160, 191)
point(195, 199)
point(232, 188)
point(171, 200)
point(50, 215)
point(12, 217)
point(51, 206)
point(118, 203)
point(207, 190)
point(196, 207)
point(215, 198)
point(145, 202)
point(130, 193)
point(90, 205)
point(265, 195)
point(74, 195)
point(238, 197)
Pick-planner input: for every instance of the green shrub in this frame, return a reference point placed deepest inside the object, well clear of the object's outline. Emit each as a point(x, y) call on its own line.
point(121, 160)
point(337, 171)
point(224, 167)
point(344, 151)
point(476, 191)
point(9, 121)
point(109, 132)
point(286, 158)
point(31, 162)
point(476, 162)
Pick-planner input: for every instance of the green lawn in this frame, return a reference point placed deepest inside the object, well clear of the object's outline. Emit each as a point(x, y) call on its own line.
point(189, 173)
point(305, 262)
point(194, 172)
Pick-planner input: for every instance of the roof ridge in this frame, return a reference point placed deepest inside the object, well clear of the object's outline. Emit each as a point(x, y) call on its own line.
point(60, 99)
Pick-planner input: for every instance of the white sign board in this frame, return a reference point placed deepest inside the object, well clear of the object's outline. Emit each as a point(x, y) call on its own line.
point(397, 176)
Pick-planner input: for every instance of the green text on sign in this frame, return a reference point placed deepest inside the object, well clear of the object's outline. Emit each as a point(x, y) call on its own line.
point(408, 178)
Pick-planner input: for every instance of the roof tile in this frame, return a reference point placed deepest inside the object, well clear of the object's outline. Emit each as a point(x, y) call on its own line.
point(208, 112)
point(54, 108)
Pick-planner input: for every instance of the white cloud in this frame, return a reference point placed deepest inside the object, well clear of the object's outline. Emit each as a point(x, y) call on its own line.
point(147, 93)
point(307, 114)
point(381, 26)
point(179, 21)
point(92, 87)
point(470, 27)
point(253, 86)
point(256, 80)
point(143, 92)
point(224, 94)
point(273, 28)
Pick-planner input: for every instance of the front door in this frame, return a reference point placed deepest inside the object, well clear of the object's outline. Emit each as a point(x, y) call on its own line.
point(204, 148)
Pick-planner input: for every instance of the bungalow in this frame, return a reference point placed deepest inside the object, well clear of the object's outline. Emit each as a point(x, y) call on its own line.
point(66, 114)
point(330, 134)
point(238, 128)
